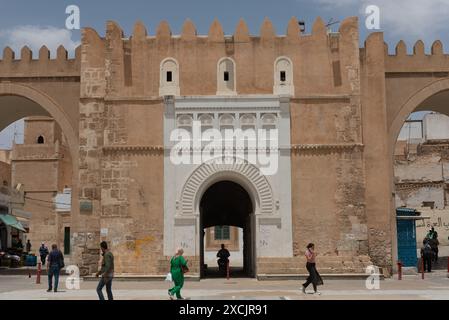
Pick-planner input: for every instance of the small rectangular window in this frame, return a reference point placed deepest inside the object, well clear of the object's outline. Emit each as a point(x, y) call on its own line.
point(226, 76)
point(169, 76)
point(283, 76)
point(222, 233)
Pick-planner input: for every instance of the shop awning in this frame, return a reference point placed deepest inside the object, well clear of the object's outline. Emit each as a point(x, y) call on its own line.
point(18, 213)
point(11, 221)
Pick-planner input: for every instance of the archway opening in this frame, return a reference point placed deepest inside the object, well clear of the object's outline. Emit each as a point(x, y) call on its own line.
point(227, 217)
point(37, 166)
point(421, 179)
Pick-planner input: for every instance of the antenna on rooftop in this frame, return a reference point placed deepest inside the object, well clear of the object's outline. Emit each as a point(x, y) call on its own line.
point(302, 25)
point(330, 23)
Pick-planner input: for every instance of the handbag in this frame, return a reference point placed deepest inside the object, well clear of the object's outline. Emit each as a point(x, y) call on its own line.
point(169, 277)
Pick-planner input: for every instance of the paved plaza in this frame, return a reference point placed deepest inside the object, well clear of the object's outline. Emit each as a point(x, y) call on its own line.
point(435, 286)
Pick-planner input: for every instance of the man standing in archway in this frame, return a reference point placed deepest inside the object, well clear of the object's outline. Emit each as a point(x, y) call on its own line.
point(223, 259)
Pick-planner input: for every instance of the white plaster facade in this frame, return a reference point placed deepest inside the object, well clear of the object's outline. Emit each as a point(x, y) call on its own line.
point(185, 184)
point(436, 126)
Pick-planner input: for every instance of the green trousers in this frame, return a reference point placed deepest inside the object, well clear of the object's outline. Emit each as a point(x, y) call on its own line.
point(179, 283)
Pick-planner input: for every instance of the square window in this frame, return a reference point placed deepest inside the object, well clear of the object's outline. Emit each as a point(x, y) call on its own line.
point(169, 76)
point(283, 76)
point(222, 233)
point(226, 76)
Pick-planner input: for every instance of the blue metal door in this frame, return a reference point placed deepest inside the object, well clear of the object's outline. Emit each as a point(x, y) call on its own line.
point(407, 243)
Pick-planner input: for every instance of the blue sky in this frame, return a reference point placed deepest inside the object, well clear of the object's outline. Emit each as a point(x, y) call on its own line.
point(36, 23)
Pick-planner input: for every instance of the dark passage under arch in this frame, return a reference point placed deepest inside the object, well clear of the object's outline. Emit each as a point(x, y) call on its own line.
point(227, 203)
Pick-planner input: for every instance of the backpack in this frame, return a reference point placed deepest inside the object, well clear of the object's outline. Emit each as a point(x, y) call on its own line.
point(61, 260)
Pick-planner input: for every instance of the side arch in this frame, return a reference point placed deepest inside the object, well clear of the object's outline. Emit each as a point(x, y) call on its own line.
point(47, 103)
point(411, 105)
point(241, 171)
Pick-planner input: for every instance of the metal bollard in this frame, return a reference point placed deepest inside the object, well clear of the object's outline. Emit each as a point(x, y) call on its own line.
point(422, 268)
point(39, 270)
point(399, 270)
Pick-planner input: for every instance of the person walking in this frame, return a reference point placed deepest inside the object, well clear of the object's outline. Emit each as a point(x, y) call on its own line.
point(19, 245)
point(314, 277)
point(426, 255)
point(54, 265)
point(43, 252)
point(106, 272)
point(28, 246)
point(178, 266)
point(223, 259)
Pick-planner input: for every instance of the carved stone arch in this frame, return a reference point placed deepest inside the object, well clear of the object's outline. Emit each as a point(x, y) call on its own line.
point(50, 106)
point(240, 171)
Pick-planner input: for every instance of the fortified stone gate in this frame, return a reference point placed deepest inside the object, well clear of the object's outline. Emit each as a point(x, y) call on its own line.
point(338, 109)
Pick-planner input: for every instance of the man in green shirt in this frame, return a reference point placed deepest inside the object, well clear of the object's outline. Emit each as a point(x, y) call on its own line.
point(106, 272)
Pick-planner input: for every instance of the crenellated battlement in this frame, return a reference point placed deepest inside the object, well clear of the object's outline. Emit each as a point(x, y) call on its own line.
point(29, 65)
point(216, 33)
point(419, 61)
point(132, 65)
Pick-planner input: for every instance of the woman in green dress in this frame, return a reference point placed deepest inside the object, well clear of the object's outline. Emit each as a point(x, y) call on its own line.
point(176, 269)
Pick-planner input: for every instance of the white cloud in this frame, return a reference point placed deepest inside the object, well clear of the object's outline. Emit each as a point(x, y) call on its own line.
point(36, 36)
point(402, 18)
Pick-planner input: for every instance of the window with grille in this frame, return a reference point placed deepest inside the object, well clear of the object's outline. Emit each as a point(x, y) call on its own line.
point(222, 233)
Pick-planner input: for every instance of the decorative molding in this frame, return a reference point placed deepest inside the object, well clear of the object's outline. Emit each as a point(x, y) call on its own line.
point(271, 221)
point(133, 98)
point(417, 185)
point(328, 147)
point(248, 171)
point(133, 149)
point(323, 98)
point(228, 103)
point(184, 221)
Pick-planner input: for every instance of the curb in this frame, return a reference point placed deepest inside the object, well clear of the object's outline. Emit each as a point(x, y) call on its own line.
point(141, 278)
point(343, 276)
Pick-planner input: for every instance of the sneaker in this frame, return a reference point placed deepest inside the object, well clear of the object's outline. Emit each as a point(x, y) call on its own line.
point(303, 290)
point(317, 293)
point(170, 295)
point(49, 290)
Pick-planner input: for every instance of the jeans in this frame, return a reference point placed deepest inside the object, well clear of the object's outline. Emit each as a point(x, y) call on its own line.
point(43, 257)
point(108, 283)
point(53, 271)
